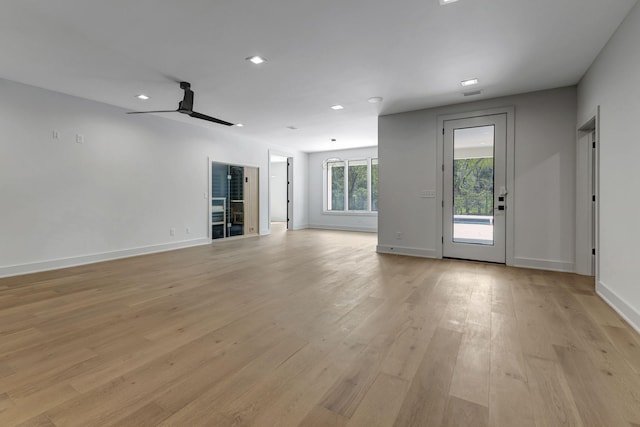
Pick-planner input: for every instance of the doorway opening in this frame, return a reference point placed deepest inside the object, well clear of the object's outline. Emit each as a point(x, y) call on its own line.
point(278, 180)
point(280, 191)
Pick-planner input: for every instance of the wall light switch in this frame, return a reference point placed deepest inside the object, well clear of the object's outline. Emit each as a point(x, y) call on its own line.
point(55, 134)
point(79, 138)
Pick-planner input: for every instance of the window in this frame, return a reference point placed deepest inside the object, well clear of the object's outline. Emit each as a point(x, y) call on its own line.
point(335, 173)
point(358, 187)
point(374, 185)
point(352, 185)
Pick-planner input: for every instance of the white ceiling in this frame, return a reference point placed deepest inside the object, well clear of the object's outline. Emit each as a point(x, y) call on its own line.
point(413, 53)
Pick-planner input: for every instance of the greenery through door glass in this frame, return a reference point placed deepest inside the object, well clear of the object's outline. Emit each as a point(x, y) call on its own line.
point(473, 186)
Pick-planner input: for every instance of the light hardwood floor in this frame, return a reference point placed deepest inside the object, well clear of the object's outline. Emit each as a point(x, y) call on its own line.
point(311, 328)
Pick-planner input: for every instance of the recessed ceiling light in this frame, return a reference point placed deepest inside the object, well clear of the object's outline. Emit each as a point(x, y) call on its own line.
point(469, 82)
point(240, 125)
point(333, 140)
point(337, 107)
point(374, 100)
point(142, 96)
point(443, 2)
point(256, 59)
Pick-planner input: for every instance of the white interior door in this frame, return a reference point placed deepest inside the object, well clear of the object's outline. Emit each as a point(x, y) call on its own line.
point(289, 193)
point(475, 192)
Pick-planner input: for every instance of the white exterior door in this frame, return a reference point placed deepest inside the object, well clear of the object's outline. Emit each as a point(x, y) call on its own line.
point(475, 193)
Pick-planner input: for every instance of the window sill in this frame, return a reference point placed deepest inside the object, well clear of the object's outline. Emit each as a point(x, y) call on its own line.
point(350, 213)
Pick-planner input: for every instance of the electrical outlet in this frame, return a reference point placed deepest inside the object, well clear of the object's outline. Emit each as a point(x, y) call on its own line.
point(172, 232)
point(79, 138)
point(55, 134)
point(188, 230)
point(399, 235)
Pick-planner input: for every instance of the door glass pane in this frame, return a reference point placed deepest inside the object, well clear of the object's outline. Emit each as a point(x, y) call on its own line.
point(358, 192)
point(235, 218)
point(335, 186)
point(473, 192)
point(219, 200)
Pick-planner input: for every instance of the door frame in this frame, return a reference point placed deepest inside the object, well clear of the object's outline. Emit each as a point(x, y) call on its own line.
point(290, 181)
point(510, 178)
point(588, 181)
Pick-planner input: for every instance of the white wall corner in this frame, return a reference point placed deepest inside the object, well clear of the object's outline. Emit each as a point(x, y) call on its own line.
point(627, 312)
point(56, 264)
point(401, 250)
point(544, 264)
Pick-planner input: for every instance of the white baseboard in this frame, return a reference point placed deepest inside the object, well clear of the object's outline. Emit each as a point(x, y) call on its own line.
point(301, 227)
point(343, 228)
point(402, 250)
point(544, 264)
point(628, 313)
point(55, 264)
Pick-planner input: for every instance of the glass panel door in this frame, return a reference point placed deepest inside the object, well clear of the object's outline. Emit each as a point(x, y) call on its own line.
point(219, 200)
point(474, 194)
point(227, 200)
point(235, 219)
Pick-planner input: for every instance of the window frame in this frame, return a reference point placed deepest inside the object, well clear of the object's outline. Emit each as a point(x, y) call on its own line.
point(327, 189)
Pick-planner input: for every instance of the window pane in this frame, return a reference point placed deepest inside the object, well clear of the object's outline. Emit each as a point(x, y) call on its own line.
point(374, 185)
point(358, 193)
point(473, 185)
point(335, 185)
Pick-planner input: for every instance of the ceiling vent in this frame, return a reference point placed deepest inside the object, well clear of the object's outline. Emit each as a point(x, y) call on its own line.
point(474, 93)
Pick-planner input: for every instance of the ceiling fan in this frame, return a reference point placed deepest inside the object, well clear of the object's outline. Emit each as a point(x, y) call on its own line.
point(186, 107)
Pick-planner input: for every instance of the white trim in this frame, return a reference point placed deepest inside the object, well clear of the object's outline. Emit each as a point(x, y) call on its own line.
point(510, 111)
point(300, 227)
point(544, 264)
point(343, 228)
point(56, 264)
point(351, 213)
point(627, 312)
point(402, 250)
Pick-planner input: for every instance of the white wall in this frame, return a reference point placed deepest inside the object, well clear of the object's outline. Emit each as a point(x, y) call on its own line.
point(118, 193)
point(544, 192)
point(318, 218)
point(611, 83)
point(278, 186)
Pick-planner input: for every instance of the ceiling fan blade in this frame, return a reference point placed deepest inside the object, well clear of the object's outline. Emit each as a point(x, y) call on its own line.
point(157, 111)
point(209, 118)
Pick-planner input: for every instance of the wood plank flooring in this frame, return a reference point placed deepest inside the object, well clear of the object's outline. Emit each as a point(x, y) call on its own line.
point(311, 328)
